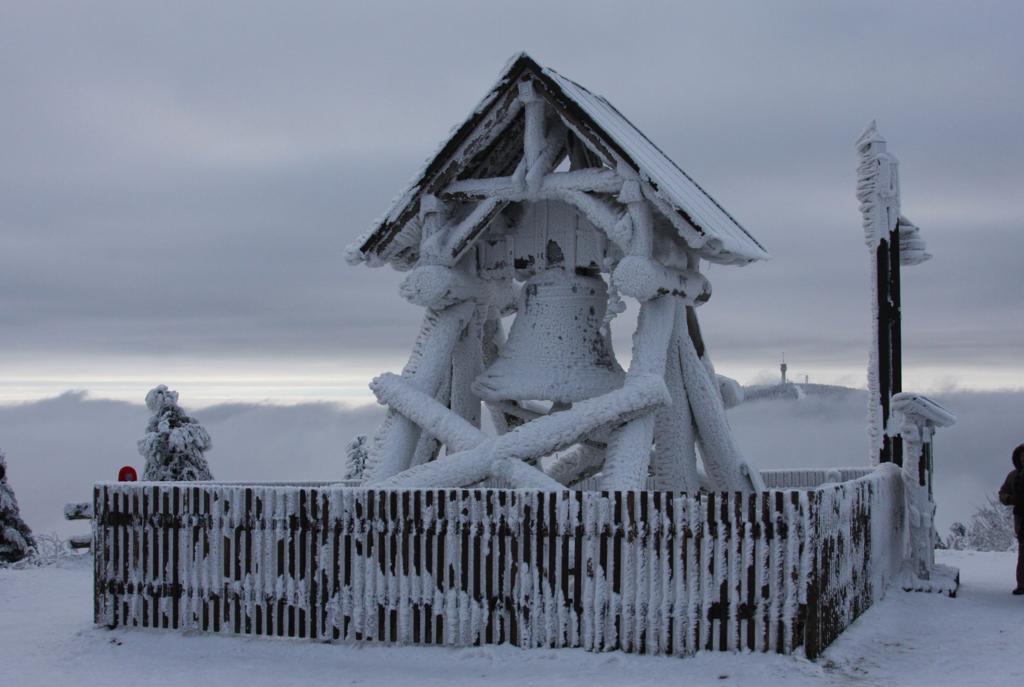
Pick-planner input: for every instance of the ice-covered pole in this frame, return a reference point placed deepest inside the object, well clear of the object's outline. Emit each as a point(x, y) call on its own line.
point(879, 194)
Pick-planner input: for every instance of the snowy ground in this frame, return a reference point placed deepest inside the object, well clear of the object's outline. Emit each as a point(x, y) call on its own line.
point(46, 638)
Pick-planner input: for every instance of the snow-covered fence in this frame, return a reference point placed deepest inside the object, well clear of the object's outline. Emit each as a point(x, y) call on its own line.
point(773, 479)
point(860, 545)
point(638, 571)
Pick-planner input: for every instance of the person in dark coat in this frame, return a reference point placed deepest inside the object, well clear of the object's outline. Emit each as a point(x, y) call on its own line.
point(1012, 494)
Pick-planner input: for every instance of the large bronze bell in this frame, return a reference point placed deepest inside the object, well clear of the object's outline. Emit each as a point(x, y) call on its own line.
point(556, 350)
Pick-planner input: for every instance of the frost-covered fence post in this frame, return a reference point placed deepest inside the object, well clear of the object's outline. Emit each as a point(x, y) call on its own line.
point(915, 418)
point(497, 224)
point(894, 241)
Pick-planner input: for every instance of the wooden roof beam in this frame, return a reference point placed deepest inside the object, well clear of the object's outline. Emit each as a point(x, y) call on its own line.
point(588, 180)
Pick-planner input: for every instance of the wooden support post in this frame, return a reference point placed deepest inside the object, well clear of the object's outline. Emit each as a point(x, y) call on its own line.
point(575, 462)
point(629, 448)
point(888, 326)
point(467, 364)
point(448, 426)
point(674, 463)
point(724, 464)
point(533, 136)
point(395, 441)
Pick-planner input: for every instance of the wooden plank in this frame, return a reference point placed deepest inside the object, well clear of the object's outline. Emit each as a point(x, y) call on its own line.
point(603, 617)
point(711, 569)
point(175, 559)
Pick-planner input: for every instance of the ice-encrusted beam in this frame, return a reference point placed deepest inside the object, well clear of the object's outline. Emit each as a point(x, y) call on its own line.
point(523, 476)
point(540, 437)
point(584, 180)
point(674, 461)
point(643, 279)
point(552, 152)
point(615, 223)
point(396, 439)
point(694, 237)
point(878, 191)
point(449, 427)
point(724, 464)
point(438, 287)
point(533, 136)
point(467, 364)
point(629, 448)
point(525, 411)
point(461, 237)
point(575, 462)
point(432, 229)
point(526, 176)
point(641, 243)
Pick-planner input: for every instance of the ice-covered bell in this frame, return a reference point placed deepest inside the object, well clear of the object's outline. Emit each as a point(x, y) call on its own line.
point(555, 350)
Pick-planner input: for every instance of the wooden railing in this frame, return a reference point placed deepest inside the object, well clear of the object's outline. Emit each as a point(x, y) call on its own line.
point(653, 572)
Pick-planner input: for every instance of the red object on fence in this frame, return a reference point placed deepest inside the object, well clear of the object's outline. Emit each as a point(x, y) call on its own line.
point(127, 474)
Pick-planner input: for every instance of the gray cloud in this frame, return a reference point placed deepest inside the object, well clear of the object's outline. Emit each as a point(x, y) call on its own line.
point(182, 179)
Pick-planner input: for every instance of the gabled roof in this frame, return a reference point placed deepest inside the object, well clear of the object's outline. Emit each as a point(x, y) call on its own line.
point(702, 223)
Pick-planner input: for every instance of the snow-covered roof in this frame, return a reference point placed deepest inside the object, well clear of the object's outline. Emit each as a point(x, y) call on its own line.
point(701, 222)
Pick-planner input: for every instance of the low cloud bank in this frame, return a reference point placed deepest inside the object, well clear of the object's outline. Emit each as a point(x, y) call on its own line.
point(57, 447)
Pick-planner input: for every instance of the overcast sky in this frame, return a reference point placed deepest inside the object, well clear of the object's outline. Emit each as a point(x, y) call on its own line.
point(178, 181)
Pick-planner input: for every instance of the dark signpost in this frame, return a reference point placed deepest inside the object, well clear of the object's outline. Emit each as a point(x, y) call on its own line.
point(895, 241)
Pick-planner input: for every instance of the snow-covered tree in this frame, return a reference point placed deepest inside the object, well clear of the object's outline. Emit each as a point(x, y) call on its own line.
point(15, 536)
point(990, 529)
point(174, 443)
point(356, 458)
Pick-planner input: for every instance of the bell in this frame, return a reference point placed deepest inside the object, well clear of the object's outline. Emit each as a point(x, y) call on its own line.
point(555, 350)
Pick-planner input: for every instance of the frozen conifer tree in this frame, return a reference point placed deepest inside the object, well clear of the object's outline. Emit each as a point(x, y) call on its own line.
point(356, 462)
point(174, 443)
point(990, 529)
point(15, 536)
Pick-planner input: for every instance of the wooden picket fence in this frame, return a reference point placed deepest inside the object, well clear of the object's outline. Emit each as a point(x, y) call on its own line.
point(647, 571)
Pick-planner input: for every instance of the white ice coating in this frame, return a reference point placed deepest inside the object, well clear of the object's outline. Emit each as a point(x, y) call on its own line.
point(643, 279)
point(571, 464)
point(698, 219)
point(598, 571)
point(438, 287)
point(451, 428)
point(628, 457)
point(467, 243)
point(724, 464)
point(877, 186)
point(878, 193)
point(540, 437)
point(521, 475)
point(395, 442)
point(674, 461)
point(174, 443)
point(15, 536)
point(913, 248)
point(914, 418)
